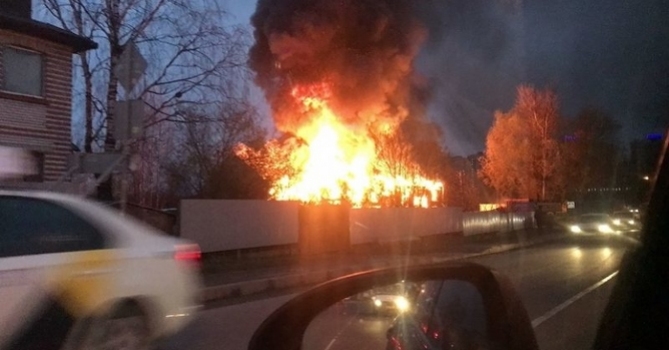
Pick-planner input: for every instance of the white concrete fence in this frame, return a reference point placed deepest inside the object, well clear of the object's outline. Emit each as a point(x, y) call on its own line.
point(224, 225)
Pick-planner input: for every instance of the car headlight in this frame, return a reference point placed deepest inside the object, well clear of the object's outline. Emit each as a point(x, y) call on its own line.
point(631, 222)
point(377, 303)
point(604, 229)
point(402, 304)
point(616, 222)
point(575, 229)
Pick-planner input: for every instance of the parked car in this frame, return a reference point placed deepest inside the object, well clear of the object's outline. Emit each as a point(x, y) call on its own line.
point(75, 274)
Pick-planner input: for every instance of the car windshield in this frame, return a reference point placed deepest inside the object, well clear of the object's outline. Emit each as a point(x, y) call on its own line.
point(280, 144)
point(624, 215)
point(392, 290)
point(397, 289)
point(594, 218)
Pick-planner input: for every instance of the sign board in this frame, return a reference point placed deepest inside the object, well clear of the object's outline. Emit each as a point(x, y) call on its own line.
point(94, 163)
point(131, 66)
point(489, 206)
point(571, 205)
point(128, 119)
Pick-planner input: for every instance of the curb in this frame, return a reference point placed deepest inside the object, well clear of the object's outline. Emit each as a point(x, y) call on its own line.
point(246, 288)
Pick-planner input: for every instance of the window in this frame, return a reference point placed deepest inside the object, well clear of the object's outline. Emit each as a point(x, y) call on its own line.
point(33, 226)
point(20, 163)
point(459, 314)
point(37, 168)
point(22, 71)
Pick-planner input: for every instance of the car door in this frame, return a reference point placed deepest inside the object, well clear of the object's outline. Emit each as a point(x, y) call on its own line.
point(37, 238)
point(459, 318)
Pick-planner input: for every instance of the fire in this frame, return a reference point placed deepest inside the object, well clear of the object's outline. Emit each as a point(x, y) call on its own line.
point(337, 163)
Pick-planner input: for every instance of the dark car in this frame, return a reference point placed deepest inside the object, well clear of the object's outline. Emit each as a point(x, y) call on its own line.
point(446, 315)
point(626, 221)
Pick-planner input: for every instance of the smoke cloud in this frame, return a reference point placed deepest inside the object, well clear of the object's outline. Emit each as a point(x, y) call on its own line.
point(473, 59)
point(363, 50)
point(611, 55)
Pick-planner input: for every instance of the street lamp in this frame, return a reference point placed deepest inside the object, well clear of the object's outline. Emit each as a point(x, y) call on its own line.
point(647, 178)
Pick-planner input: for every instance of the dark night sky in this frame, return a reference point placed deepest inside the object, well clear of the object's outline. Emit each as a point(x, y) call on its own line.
point(612, 55)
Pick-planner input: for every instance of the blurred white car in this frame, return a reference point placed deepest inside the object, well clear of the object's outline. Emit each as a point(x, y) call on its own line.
point(75, 274)
point(593, 224)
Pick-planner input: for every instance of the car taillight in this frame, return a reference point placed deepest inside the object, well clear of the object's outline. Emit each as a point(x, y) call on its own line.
point(189, 253)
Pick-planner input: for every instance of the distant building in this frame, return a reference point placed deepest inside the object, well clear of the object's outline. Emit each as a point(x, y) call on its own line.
point(36, 91)
point(645, 154)
point(643, 162)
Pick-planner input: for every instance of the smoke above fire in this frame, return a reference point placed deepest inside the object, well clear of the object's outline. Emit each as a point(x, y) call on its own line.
point(362, 49)
point(340, 81)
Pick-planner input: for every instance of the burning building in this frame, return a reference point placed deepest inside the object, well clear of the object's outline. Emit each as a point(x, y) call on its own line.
point(340, 81)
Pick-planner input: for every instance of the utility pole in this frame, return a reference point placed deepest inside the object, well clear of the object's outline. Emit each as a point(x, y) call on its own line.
point(125, 143)
point(130, 69)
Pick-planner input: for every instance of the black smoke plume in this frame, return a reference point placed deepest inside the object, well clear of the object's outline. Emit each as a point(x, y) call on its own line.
point(363, 50)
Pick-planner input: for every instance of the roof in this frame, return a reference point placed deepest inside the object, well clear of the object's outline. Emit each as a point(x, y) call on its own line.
point(46, 31)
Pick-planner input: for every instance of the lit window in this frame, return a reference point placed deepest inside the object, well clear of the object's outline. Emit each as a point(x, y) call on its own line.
point(22, 71)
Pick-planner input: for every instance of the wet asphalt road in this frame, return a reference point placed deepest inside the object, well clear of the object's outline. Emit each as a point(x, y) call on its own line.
point(560, 284)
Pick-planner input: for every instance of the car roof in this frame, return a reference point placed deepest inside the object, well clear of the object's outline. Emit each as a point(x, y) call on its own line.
point(37, 194)
point(130, 230)
point(69, 200)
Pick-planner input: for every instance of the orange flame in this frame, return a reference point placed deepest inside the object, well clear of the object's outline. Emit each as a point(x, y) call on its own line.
point(339, 163)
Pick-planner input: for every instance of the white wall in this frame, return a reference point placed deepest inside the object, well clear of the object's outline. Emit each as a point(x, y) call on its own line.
point(394, 224)
point(219, 225)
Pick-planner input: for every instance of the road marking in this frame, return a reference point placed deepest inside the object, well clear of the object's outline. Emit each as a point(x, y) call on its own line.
point(331, 343)
point(334, 339)
point(539, 320)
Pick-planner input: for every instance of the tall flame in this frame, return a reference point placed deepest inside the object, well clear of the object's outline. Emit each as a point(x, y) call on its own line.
point(338, 163)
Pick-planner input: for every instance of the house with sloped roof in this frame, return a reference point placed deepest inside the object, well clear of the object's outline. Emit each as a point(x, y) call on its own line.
point(35, 96)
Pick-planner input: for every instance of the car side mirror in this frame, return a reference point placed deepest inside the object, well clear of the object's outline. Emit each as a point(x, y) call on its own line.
point(452, 301)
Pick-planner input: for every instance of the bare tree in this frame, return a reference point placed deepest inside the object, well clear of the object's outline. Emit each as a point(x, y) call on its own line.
point(195, 59)
point(205, 156)
point(148, 187)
